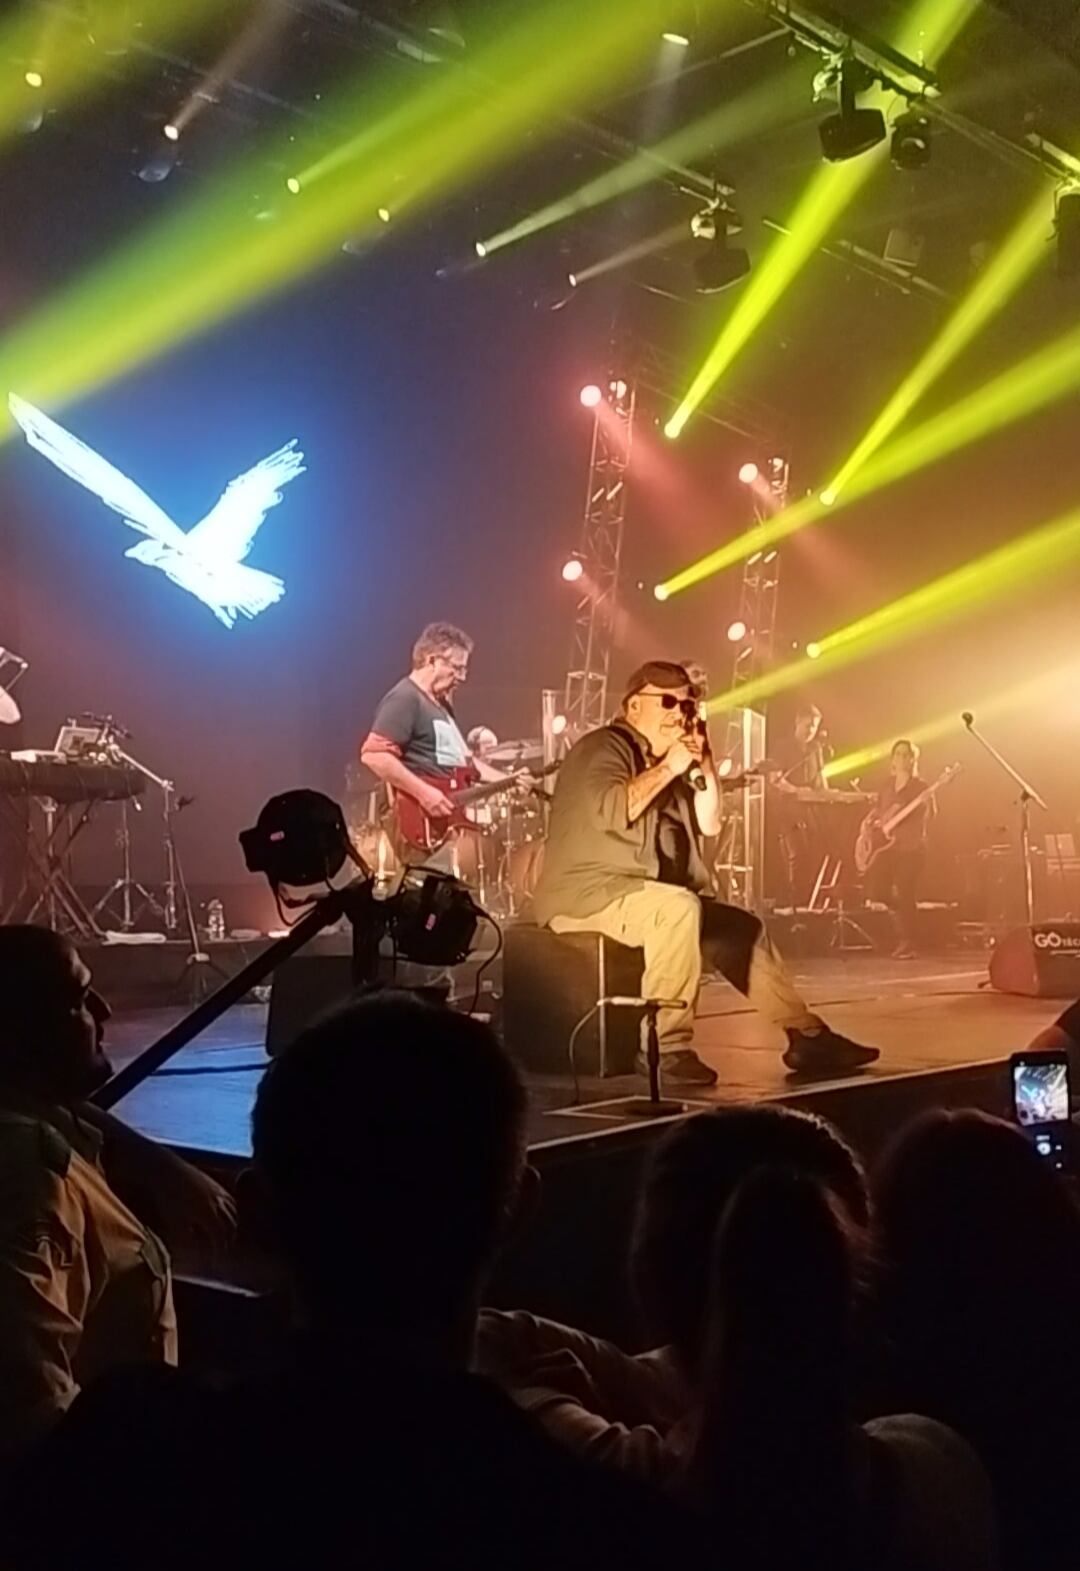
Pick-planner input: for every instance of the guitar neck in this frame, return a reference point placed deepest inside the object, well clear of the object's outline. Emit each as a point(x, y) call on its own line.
point(916, 802)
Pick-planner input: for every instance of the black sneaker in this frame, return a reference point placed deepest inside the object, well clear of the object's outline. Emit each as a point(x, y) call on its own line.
point(823, 1053)
point(680, 1066)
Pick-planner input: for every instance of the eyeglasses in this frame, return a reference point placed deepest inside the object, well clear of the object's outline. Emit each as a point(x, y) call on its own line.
point(458, 667)
point(669, 701)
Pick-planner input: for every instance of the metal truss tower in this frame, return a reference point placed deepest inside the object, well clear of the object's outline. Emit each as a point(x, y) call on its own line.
point(585, 700)
point(740, 862)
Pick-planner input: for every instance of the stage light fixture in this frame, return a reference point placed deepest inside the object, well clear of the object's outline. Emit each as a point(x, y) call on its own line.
point(159, 166)
point(590, 396)
point(736, 631)
point(910, 146)
point(748, 473)
point(292, 185)
point(725, 767)
point(680, 40)
point(171, 132)
point(718, 265)
point(660, 591)
point(383, 214)
point(481, 249)
point(33, 79)
point(619, 388)
point(813, 651)
point(558, 725)
point(573, 569)
point(1067, 225)
point(851, 131)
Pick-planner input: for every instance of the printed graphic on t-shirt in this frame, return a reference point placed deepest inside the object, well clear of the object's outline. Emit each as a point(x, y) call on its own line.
point(450, 749)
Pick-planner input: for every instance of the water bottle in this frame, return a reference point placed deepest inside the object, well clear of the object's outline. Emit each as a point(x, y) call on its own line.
point(215, 920)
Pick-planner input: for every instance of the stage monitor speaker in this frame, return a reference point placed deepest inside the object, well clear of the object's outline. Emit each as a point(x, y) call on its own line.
point(550, 982)
point(304, 987)
point(1040, 961)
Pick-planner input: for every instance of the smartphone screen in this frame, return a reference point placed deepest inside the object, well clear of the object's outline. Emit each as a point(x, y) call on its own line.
point(1040, 1088)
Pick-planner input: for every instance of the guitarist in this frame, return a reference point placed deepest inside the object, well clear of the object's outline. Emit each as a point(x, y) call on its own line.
point(415, 745)
point(895, 875)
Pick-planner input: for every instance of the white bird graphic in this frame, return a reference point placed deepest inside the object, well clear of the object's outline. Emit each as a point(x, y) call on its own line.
point(206, 560)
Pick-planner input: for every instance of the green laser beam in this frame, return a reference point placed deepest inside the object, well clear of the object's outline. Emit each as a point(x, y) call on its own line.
point(206, 260)
point(998, 573)
point(735, 121)
point(1042, 378)
point(992, 290)
point(930, 29)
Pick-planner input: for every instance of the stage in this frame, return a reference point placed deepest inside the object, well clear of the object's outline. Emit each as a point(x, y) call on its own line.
point(931, 1019)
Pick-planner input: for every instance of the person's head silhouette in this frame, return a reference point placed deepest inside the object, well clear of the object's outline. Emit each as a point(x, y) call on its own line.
point(51, 1019)
point(388, 1145)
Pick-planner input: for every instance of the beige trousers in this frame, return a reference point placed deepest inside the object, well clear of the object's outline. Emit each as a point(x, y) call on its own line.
point(665, 921)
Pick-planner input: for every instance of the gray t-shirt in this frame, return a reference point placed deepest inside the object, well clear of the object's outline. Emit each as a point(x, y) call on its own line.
point(593, 853)
point(419, 730)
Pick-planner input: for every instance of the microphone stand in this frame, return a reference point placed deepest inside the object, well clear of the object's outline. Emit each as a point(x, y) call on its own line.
point(652, 1106)
point(1028, 794)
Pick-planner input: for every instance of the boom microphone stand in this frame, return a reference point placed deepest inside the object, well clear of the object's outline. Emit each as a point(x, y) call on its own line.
point(1028, 794)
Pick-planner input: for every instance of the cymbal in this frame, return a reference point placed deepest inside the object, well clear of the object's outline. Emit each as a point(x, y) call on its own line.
point(9, 709)
point(522, 752)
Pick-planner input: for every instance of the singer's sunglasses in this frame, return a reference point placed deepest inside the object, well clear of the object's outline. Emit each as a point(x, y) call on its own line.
point(669, 701)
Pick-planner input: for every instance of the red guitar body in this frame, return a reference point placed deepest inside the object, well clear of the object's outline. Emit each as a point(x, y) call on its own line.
point(423, 833)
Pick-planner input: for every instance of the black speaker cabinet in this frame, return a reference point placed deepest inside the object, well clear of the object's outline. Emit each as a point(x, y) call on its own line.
point(550, 980)
point(304, 987)
point(1041, 961)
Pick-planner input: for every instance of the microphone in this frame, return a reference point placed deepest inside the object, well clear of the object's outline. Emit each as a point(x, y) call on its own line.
point(696, 776)
point(968, 718)
point(628, 1001)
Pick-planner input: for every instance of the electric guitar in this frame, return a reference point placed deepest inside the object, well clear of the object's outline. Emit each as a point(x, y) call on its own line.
point(423, 832)
point(876, 834)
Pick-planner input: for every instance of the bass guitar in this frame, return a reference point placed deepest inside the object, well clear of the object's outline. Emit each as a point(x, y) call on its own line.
point(423, 832)
point(877, 834)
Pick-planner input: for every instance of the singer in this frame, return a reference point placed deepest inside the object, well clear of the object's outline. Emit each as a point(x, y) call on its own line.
point(633, 802)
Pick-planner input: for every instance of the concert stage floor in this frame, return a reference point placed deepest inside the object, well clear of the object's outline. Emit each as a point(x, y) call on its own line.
point(941, 1038)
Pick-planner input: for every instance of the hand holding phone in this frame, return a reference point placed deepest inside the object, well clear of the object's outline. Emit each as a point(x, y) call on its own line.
point(1041, 1101)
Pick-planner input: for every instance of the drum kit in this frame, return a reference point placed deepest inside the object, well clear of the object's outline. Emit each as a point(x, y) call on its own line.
point(499, 855)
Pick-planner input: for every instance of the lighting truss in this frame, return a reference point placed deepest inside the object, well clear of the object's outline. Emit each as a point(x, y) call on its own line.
point(585, 702)
point(740, 858)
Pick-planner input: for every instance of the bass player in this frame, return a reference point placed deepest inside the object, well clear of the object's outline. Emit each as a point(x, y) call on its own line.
point(894, 876)
point(415, 746)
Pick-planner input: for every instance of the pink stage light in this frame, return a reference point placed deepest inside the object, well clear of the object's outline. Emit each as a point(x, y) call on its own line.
point(590, 395)
point(748, 473)
point(558, 725)
point(573, 569)
point(736, 631)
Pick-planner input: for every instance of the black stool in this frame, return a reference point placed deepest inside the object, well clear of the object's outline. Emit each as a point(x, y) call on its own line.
point(550, 980)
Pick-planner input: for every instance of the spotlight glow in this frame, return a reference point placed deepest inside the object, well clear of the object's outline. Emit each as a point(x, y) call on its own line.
point(558, 725)
point(383, 214)
point(736, 631)
point(590, 395)
point(680, 40)
point(660, 592)
point(480, 248)
point(33, 79)
point(293, 184)
point(172, 132)
point(813, 651)
point(748, 473)
point(573, 569)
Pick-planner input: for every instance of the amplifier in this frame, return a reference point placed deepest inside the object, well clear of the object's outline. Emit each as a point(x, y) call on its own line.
point(1040, 961)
